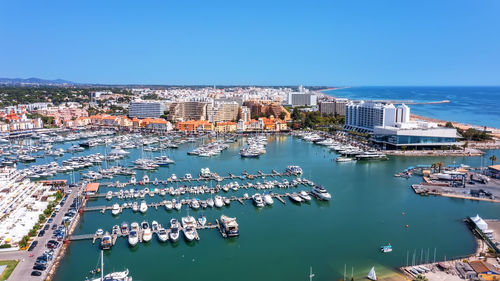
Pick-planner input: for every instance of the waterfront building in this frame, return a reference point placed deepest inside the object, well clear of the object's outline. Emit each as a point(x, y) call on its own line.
point(365, 116)
point(245, 113)
point(188, 110)
point(301, 99)
point(225, 127)
point(156, 124)
point(220, 112)
point(335, 107)
point(485, 270)
point(146, 109)
point(15, 122)
point(63, 113)
point(494, 171)
point(194, 126)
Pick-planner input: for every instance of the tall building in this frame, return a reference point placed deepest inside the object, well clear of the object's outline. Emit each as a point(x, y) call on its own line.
point(301, 99)
point(225, 111)
point(188, 110)
point(245, 114)
point(364, 116)
point(146, 109)
point(335, 107)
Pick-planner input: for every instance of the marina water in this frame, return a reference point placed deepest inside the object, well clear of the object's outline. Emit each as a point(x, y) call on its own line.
point(369, 208)
point(470, 105)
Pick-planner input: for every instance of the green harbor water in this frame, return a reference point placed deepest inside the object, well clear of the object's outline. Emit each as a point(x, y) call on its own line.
point(369, 208)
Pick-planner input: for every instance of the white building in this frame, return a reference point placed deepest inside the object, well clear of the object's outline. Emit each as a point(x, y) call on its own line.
point(301, 99)
point(146, 109)
point(364, 116)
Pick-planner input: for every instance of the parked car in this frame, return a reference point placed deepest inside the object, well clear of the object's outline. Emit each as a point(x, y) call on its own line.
point(39, 267)
point(41, 233)
point(46, 227)
point(33, 245)
point(36, 273)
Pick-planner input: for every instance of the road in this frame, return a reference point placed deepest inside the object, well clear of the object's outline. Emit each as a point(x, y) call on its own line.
point(25, 266)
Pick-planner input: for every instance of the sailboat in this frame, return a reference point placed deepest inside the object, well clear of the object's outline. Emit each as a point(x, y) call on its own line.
point(311, 274)
point(371, 275)
point(113, 276)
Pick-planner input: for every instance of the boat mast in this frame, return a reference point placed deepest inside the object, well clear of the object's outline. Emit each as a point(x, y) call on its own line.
point(311, 275)
point(102, 266)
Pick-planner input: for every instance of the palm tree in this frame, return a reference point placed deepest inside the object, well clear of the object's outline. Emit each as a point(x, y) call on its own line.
point(493, 159)
point(439, 166)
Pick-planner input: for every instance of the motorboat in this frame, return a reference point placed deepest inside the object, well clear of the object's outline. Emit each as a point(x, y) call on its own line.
point(116, 209)
point(218, 201)
point(174, 230)
point(202, 220)
point(320, 193)
point(162, 235)
point(210, 202)
point(106, 241)
point(295, 197)
point(188, 221)
point(257, 200)
point(294, 170)
point(386, 248)
point(306, 197)
point(133, 238)
point(168, 205)
point(147, 233)
point(124, 228)
point(189, 233)
point(145, 179)
point(229, 226)
point(195, 204)
point(226, 201)
point(133, 180)
point(344, 159)
point(143, 207)
point(135, 207)
point(99, 232)
point(109, 195)
point(268, 199)
point(177, 205)
point(155, 226)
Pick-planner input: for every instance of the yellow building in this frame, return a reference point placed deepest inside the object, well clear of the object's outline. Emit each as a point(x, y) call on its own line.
point(485, 271)
point(225, 127)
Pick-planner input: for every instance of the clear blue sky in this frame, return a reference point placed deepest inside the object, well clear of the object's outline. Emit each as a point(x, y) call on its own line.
point(400, 42)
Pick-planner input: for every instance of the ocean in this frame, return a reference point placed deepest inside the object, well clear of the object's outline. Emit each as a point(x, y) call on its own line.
point(470, 105)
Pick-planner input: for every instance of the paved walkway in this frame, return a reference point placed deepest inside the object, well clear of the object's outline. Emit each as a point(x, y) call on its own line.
point(25, 266)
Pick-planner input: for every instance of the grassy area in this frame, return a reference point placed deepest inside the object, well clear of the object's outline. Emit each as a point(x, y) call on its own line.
point(10, 267)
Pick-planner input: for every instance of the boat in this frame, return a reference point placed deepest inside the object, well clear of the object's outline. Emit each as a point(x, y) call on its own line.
point(133, 237)
point(295, 197)
point(371, 275)
point(135, 207)
point(202, 220)
point(218, 201)
point(106, 241)
point(386, 248)
point(168, 205)
point(195, 204)
point(188, 221)
point(162, 235)
point(113, 276)
point(306, 197)
point(143, 207)
point(344, 159)
point(109, 195)
point(147, 233)
point(268, 199)
point(124, 228)
point(321, 193)
point(133, 180)
point(257, 200)
point(189, 233)
point(116, 209)
point(174, 230)
point(229, 226)
point(99, 232)
point(155, 226)
point(294, 170)
point(210, 202)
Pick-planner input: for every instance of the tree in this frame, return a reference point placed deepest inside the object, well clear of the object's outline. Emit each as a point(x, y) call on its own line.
point(493, 159)
point(282, 115)
point(437, 165)
point(404, 147)
point(465, 145)
point(420, 278)
point(449, 125)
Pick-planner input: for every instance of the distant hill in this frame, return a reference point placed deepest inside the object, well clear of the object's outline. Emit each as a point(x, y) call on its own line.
point(34, 81)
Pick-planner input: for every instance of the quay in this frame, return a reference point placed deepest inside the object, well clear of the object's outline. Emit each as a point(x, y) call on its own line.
point(104, 208)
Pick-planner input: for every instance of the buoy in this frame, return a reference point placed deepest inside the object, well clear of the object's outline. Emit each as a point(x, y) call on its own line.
point(406, 226)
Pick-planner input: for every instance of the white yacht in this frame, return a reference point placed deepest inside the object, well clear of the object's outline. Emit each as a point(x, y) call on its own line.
point(162, 235)
point(257, 200)
point(268, 199)
point(344, 159)
point(321, 193)
point(143, 207)
point(133, 238)
point(177, 205)
point(174, 230)
point(195, 204)
point(109, 195)
point(306, 197)
point(218, 201)
point(133, 180)
point(168, 205)
point(135, 207)
point(116, 209)
point(295, 197)
point(210, 202)
point(147, 233)
point(145, 179)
